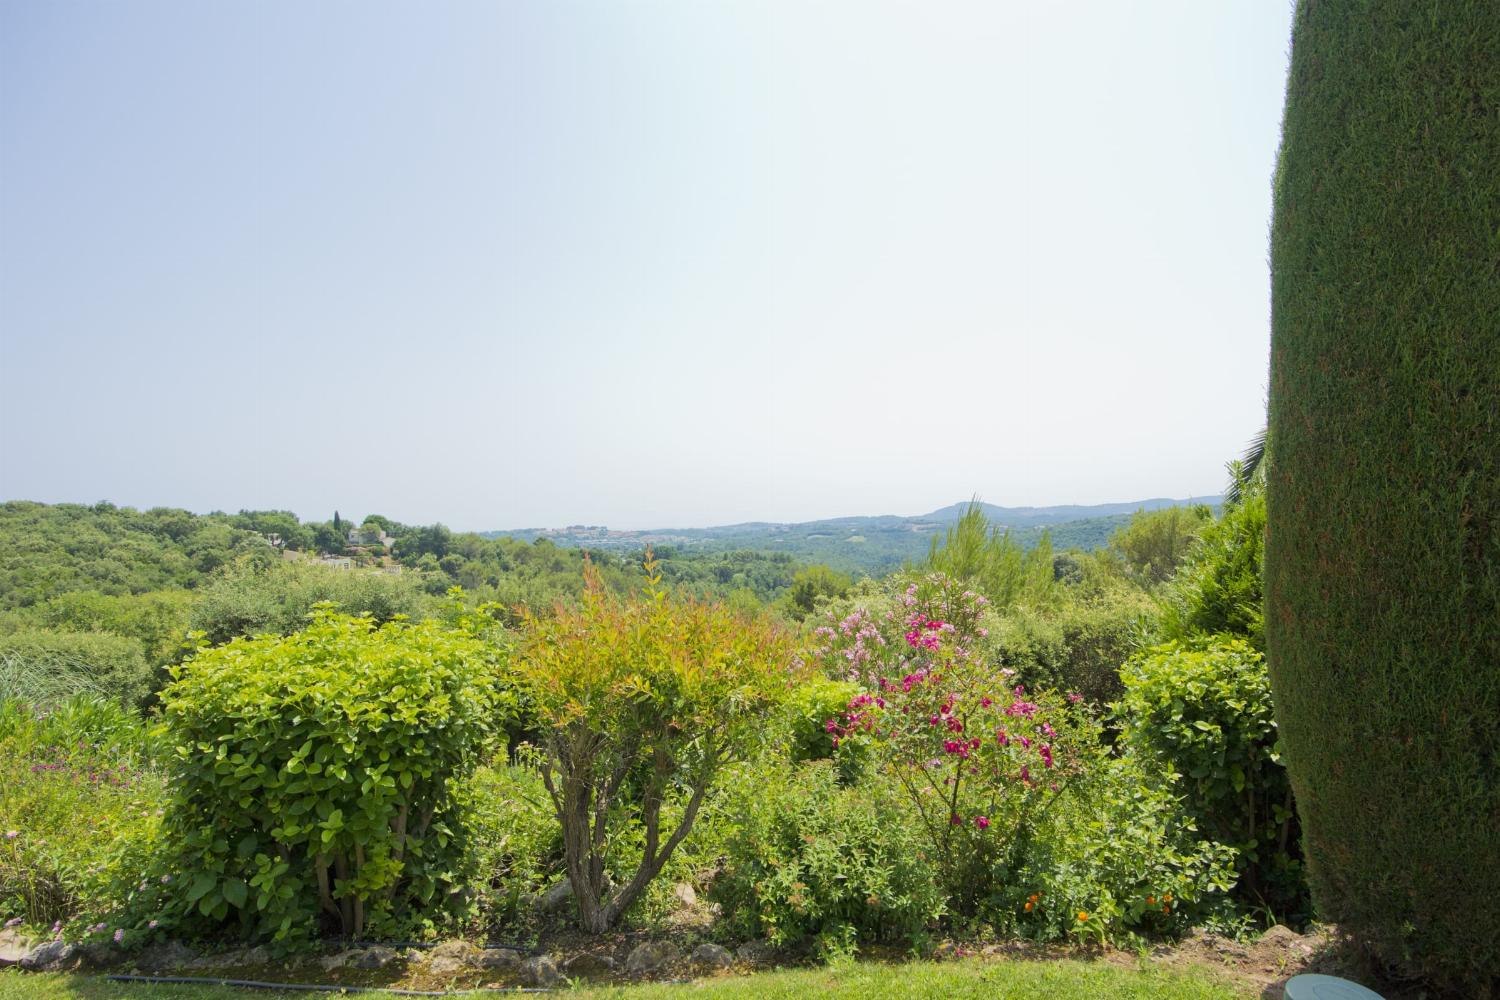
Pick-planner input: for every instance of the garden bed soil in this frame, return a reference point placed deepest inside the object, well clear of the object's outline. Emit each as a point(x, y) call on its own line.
point(1264, 965)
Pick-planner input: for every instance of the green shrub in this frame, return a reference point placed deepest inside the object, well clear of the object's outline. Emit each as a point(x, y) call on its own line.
point(316, 776)
point(1156, 542)
point(1118, 850)
point(44, 668)
point(1205, 713)
point(1100, 634)
point(1218, 589)
point(634, 700)
point(1077, 645)
point(813, 859)
point(1383, 545)
point(1029, 642)
point(77, 784)
point(516, 841)
point(808, 710)
point(158, 619)
point(279, 599)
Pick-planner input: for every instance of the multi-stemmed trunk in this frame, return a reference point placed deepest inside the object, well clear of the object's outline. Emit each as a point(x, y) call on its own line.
point(583, 778)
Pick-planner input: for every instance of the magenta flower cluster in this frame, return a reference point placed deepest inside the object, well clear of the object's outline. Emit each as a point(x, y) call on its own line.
point(855, 640)
point(967, 745)
point(118, 776)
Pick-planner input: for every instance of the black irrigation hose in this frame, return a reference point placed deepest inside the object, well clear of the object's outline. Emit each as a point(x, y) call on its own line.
point(501, 945)
point(321, 987)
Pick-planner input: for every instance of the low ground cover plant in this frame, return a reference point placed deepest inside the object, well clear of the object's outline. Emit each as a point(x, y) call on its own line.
point(77, 786)
point(814, 859)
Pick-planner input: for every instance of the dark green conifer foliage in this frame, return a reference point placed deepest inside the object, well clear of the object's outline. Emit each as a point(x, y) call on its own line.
point(1383, 542)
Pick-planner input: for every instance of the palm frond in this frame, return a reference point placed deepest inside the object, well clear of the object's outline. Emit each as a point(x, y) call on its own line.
point(1245, 470)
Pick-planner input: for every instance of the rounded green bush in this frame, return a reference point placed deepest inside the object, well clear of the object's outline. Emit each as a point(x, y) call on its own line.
point(316, 777)
point(814, 859)
point(1383, 543)
point(1204, 712)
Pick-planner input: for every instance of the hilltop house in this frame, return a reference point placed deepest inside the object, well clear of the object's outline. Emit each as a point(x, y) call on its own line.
point(359, 536)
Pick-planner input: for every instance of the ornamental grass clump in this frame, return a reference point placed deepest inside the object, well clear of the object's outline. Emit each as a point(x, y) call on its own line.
point(638, 702)
point(315, 778)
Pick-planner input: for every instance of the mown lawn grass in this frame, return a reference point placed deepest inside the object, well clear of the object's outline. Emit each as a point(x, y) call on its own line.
point(1010, 980)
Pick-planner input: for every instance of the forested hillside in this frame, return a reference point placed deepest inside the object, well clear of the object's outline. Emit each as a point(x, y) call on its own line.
point(51, 551)
point(870, 546)
point(559, 654)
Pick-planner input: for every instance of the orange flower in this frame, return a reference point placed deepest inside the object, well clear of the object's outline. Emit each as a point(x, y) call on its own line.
point(1029, 905)
point(1167, 898)
point(1082, 916)
point(1034, 896)
point(1150, 900)
point(1166, 909)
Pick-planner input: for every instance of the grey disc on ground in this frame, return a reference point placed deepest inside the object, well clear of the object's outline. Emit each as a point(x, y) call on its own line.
point(1314, 987)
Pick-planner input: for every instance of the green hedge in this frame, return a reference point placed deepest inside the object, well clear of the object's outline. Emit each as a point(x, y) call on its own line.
point(1383, 550)
point(1076, 646)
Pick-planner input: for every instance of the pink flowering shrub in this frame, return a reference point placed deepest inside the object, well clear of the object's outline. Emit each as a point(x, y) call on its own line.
point(979, 759)
point(848, 645)
point(863, 645)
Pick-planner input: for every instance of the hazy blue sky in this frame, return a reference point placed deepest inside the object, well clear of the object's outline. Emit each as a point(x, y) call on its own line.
point(508, 264)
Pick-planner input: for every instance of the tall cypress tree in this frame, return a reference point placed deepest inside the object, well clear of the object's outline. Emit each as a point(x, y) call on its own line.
point(1383, 539)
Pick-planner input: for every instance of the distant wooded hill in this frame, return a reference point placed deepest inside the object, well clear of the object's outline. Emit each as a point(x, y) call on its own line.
point(873, 545)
